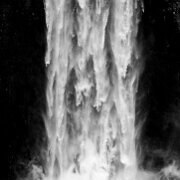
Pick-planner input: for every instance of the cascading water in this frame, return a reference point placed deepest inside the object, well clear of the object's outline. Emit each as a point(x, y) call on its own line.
point(92, 79)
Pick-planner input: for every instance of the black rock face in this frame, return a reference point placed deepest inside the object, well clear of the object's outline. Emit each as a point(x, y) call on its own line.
point(23, 81)
point(159, 88)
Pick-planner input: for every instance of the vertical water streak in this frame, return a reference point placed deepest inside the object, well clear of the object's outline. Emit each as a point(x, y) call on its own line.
point(92, 77)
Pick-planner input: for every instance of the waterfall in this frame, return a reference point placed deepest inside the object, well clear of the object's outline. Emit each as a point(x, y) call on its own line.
point(92, 70)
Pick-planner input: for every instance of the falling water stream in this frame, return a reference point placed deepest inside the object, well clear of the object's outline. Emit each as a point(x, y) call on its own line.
point(92, 69)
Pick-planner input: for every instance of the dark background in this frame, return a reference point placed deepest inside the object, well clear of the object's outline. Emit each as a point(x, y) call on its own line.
point(23, 82)
point(159, 88)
